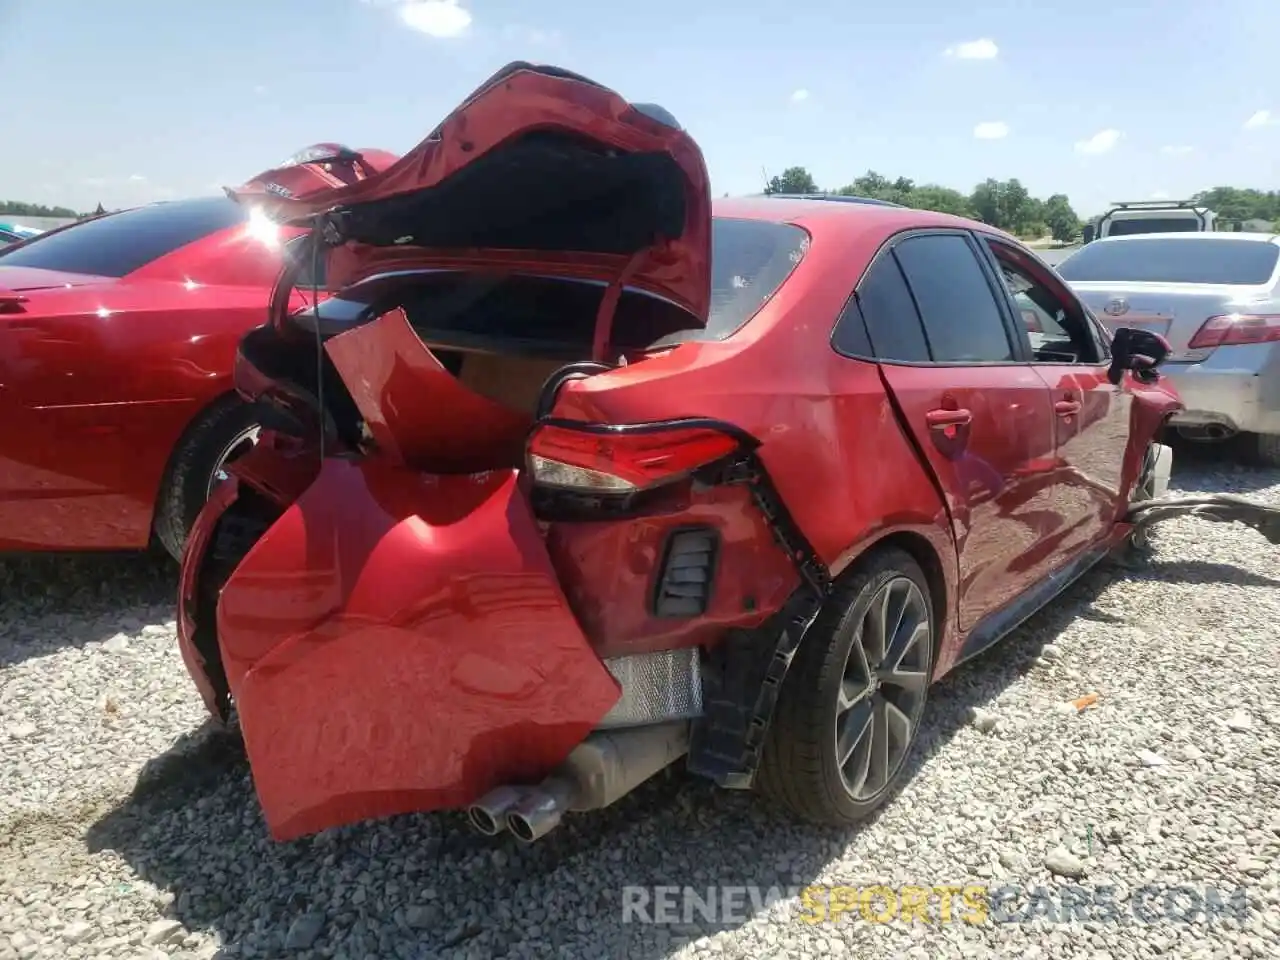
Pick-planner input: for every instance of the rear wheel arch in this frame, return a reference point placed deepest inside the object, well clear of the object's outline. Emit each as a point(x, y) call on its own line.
point(921, 549)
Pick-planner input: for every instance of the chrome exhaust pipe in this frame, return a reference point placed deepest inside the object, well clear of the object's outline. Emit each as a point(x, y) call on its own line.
point(603, 768)
point(541, 810)
point(488, 815)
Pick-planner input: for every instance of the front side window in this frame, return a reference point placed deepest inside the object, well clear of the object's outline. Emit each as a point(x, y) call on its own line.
point(120, 243)
point(1057, 327)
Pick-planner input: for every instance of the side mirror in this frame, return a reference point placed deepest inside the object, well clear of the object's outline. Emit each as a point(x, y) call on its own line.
point(1139, 351)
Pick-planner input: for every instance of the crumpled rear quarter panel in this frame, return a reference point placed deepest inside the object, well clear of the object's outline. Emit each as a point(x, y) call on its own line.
point(399, 642)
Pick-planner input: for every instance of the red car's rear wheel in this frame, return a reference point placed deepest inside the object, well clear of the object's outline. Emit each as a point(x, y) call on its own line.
point(226, 431)
point(851, 705)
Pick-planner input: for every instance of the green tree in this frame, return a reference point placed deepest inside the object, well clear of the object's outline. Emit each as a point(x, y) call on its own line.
point(870, 184)
point(1060, 218)
point(985, 202)
point(793, 180)
point(17, 208)
point(931, 196)
point(1235, 203)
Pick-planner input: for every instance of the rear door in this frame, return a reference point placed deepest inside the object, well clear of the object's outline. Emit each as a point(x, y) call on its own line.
point(979, 415)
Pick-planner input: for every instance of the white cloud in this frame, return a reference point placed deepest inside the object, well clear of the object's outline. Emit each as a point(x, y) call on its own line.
point(137, 178)
point(983, 49)
point(1101, 142)
point(1160, 195)
point(1176, 150)
point(443, 19)
point(800, 96)
point(991, 130)
point(1261, 118)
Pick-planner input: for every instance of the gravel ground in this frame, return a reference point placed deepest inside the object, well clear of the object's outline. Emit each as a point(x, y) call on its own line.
point(128, 829)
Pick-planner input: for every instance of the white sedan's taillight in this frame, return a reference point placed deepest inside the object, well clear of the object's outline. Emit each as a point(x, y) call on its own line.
point(1236, 329)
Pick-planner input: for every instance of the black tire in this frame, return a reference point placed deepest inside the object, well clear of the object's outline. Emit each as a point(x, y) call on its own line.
point(1262, 449)
point(800, 769)
point(185, 489)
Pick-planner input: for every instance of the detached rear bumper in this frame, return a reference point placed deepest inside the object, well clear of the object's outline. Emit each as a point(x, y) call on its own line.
point(1235, 387)
point(395, 642)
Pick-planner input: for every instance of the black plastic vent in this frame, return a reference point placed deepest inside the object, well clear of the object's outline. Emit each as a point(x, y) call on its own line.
point(687, 572)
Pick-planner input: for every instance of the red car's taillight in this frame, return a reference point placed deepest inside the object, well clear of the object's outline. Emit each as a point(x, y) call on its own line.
point(1236, 329)
point(600, 458)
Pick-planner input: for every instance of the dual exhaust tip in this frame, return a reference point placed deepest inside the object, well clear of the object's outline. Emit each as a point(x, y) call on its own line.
point(527, 813)
point(599, 770)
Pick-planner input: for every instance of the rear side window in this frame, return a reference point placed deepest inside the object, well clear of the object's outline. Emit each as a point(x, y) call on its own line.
point(750, 260)
point(892, 322)
point(1189, 260)
point(961, 317)
point(120, 243)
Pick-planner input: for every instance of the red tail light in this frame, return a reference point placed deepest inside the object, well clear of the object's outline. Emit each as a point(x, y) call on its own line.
point(1236, 329)
point(623, 459)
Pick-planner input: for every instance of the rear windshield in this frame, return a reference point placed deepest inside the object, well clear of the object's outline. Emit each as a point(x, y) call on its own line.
point(1173, 261)
point(750, 260)
point(120, 243)
point(1127, 228)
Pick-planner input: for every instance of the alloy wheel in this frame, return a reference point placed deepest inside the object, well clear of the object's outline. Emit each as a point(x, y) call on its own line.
point(885, 680)
point(239, 445)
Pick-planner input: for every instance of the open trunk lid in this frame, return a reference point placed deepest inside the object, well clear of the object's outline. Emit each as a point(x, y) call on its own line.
point(538, 172)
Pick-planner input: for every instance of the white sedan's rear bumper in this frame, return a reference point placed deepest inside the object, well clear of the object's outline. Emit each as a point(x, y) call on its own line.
point(1237, 388)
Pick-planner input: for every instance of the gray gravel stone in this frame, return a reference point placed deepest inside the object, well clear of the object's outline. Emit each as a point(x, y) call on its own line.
point(122, 812)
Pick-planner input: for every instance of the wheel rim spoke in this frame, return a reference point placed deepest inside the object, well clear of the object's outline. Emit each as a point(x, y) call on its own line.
point(880, 754)
point(855, 726)
point(902, 668)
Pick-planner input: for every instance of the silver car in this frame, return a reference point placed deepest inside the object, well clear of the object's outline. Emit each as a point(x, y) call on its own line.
point(1216, 298)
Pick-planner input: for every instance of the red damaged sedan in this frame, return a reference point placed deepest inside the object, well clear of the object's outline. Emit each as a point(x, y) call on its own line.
point(575, 477)
point(117, 337)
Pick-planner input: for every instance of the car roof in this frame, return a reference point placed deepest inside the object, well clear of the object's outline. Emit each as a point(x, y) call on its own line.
point(823, 215)
point(1216, 235)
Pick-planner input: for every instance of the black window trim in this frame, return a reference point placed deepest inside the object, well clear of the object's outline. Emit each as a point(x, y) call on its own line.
point(988, 243)
point(1019, 343)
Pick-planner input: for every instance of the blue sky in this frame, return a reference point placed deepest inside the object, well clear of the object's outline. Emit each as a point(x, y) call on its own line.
point(135, 100)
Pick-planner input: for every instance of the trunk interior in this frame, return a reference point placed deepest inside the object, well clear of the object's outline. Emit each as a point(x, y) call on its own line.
point(450, 367)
